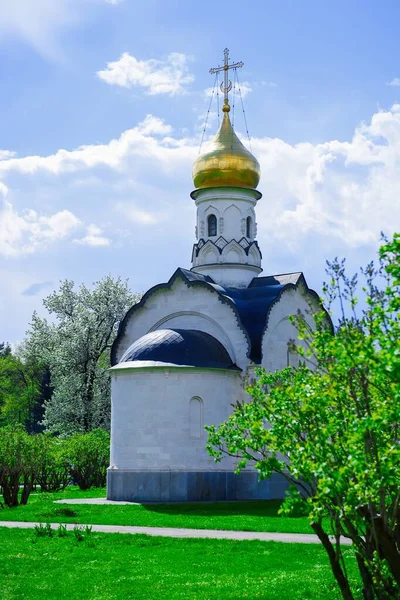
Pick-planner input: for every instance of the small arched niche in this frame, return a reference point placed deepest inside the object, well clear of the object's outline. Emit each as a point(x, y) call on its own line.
point(196, 418)
point(212, 225)
point(249, 227)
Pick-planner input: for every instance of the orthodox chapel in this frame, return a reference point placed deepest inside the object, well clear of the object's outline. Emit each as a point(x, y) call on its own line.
point(187, 351)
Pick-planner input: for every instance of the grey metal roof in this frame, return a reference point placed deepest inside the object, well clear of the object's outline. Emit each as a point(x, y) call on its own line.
point(185, 347)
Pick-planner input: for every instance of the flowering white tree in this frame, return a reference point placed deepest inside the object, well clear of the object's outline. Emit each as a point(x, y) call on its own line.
point(76, 347)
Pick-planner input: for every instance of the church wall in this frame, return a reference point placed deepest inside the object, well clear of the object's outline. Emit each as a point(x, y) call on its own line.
point(280, 330)
point(190, 308)
point(153, 417)
point(158, 442)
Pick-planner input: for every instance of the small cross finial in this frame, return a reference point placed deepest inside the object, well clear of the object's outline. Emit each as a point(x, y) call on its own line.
point(226, 85)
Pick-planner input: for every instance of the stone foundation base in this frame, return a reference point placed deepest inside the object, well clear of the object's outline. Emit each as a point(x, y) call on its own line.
point(191, 486)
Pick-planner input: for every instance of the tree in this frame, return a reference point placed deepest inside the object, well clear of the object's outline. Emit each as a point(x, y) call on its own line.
point(5, 349)
point(20, 388)
point(75, 345)
point(334, 428)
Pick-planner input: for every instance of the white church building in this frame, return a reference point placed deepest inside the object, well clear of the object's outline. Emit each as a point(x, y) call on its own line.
point(187, 351)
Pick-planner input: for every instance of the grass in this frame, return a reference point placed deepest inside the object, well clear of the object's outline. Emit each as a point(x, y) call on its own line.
point(119, 567)
point(239, 516)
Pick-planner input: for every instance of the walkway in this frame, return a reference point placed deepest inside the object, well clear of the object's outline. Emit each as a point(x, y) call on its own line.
point(175, 532)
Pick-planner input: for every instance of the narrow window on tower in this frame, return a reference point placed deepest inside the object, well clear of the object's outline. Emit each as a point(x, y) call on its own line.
point(212, 225)
point(248, 227)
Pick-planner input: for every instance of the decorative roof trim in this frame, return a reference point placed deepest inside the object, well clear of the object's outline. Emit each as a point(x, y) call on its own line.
point(202, 242)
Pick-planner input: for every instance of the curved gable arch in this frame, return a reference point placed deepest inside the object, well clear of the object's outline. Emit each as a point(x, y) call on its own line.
point(279, 331)
point(181, 294)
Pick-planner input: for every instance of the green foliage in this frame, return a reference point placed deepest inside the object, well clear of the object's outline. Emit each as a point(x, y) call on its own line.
point(44, 530)
point(18, 466)
point(89, 456)
point(82, 533)
point(62, 531)
point(27, 460)
point(334, 425)
point(19, 388)
point(294, 504)
point(54, 467)
point(76, 348)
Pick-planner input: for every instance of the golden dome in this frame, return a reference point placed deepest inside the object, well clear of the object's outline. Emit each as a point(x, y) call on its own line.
point(228, 163)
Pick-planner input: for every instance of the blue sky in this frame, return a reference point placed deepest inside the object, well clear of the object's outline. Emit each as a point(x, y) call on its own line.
point(101, 113)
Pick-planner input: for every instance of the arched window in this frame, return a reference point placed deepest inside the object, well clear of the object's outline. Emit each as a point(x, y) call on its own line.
point(248, 227)
point(212, 225)
point(196, 418)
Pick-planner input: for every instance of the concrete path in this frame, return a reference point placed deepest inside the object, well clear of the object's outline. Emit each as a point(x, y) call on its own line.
point(174, 532)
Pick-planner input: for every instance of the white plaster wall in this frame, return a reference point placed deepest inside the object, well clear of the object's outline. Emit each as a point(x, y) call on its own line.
point(230, 275)
point(231, 206)
point(150, 408)
point(280, 330)
point(190, 308)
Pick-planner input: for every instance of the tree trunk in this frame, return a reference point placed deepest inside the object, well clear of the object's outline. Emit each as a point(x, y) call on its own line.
point(333, 559)
point(368, 586)
point(388, 549)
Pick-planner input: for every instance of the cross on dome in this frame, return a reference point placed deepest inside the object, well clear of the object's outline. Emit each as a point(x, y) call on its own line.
point(226, 85)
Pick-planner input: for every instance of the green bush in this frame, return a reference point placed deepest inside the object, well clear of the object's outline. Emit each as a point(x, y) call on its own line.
point(89, 458)
point(54, 468)
point(26, 460)
point(18, 465)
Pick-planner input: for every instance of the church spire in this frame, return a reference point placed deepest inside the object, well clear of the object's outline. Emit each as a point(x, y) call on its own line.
point(227, 162)
point(226, 178)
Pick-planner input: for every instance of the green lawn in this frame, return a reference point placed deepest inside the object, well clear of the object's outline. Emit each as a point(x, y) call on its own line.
point(119, 567)
point(245, 516)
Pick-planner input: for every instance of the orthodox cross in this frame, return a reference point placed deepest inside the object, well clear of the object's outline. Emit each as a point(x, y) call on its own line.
point(226, 85)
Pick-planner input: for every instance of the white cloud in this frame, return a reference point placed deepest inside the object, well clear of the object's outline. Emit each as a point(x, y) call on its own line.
point(170, 76)
point(342, 193)
point(271, 84)
point(395, 82)
point(93, 237)
point(154, 126)
point(137, 141)
point(5, 154)
point(139, 216)
point(26, 232)
point(245, 89)
point(39, 23)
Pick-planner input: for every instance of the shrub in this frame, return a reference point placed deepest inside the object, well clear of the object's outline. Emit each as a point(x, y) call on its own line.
point(89, 458)
point(53, 465)
point(18, 465)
